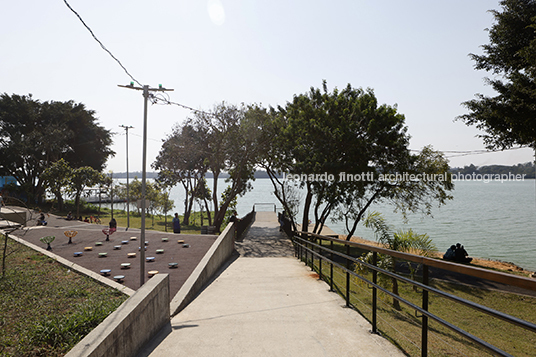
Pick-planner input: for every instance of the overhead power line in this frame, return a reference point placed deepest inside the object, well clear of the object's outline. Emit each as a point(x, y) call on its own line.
point(100, 43)
point(153, 98)
point(457, 153)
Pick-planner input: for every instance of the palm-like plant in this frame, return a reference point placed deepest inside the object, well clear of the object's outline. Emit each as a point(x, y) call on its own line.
point(402, 241)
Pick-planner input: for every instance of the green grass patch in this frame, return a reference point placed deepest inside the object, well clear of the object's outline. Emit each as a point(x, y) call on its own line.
point(403, 327)
point(46, 308)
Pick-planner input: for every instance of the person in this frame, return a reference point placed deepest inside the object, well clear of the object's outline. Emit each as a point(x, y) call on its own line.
point(450, 254)
point(86, 220)
point(461, 255)
point(69, 216)
point(234, 218)
point(41, 220)
point(282, 217)
point(1, 200)
point(113, 224)
point(176, 224)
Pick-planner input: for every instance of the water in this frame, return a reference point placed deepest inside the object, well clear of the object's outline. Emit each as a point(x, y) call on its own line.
point(492, 220)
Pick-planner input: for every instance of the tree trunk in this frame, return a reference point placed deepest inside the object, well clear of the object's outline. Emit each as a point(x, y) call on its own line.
point(308, 199)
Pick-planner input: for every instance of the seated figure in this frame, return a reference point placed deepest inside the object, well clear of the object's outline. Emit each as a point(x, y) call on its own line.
point(461, 255)
point(450, 254)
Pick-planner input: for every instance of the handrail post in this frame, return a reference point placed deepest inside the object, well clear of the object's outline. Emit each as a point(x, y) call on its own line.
point(424, 338)
point(311, 242)
point(347, 277)
point(331, 269)
point(320, 259)
point(374, 293)
point(301, 247)
point(311, 246)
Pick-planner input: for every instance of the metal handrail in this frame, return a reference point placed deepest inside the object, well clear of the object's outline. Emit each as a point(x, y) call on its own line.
point(265, 204)
point(304, 243)
point(498, 277)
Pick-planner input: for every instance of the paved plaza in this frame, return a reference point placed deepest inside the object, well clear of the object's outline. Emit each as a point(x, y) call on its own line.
point(120, 244)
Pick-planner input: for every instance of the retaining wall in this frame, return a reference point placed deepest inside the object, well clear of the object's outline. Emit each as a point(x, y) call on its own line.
point(133, 324)
point(218, 254)
point(15, 214)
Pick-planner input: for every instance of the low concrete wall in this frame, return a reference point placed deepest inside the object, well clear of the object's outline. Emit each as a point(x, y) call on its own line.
point(15, 214)
point(133, 324)
point(214, 259)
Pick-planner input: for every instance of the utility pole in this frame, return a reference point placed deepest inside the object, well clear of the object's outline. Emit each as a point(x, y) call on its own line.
point(146, 89)
point(128, 195)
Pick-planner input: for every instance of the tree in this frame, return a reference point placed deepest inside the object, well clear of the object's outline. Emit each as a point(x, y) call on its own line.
point(35, 134)
point(509, 118)
point(222, 141)
point(232, 147)
point(182, 160)
point(57, 177)
point(339, 145)
point(80, 179)
point(401, 241)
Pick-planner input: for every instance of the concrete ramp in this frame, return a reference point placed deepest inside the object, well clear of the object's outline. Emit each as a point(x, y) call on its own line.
point(264, 239)
point(268, 303)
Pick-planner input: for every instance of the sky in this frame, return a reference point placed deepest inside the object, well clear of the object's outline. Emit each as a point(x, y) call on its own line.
point(413, 53)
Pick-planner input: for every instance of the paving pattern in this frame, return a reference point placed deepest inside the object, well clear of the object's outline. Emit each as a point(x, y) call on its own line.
point(89, 234)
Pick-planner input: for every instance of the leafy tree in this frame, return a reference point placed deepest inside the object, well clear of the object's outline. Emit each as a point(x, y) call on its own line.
point(332, 140)
point(401, 241)
point(509, 118)
point(233, 147)
point(35, 134)
point(222, 141)
point(182, 160)
point(80, 179)
point(57, 177)
point(155, 193)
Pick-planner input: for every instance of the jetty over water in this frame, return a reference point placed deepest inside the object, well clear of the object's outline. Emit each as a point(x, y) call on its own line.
point(267, 303)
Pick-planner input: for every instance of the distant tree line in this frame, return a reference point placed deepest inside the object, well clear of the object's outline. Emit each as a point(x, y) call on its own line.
point(528, 169)
point(259, 174)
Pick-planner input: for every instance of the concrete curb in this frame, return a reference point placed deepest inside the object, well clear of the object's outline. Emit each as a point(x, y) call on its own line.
point(76, 267)
point(214, 259)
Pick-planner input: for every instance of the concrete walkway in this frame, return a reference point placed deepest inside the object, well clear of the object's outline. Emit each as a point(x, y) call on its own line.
point(267, 303)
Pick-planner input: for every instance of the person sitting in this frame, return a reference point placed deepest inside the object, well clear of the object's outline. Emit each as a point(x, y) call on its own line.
point(234, 218)
point(450, 254)
point(41, 220)
point(461, 255)
point(69, 216)
point(86, 220)
point(113, 224)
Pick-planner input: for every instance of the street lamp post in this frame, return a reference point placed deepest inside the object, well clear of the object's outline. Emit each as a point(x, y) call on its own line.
point(146, 89)
point(128, 195)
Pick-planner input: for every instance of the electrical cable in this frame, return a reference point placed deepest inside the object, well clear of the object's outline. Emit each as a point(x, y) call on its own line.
point(100, 43)
point(459, 153)
point(154, 99)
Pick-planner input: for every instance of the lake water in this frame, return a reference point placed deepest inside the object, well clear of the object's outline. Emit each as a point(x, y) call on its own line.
point(492, 220)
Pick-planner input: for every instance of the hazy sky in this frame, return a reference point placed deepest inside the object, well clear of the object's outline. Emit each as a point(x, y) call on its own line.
point(412, 53)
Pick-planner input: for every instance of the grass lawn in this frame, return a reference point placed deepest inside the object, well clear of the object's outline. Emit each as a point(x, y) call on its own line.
point(152, 222)
point(403, 327)
point(45, 308)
